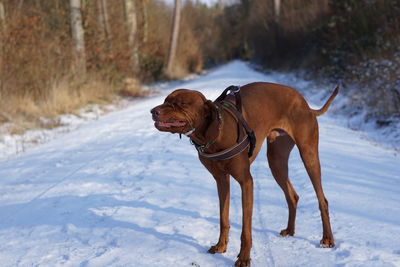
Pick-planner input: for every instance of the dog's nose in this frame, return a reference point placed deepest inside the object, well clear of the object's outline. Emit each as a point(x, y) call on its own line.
point(155, 111)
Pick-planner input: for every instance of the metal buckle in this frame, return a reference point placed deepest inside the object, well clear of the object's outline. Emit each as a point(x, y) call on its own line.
point(232, 92)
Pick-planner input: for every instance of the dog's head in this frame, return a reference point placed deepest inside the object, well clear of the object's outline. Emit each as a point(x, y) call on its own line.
point(182, 111)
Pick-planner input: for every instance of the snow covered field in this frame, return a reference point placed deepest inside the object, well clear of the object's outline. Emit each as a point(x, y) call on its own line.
point(116, 192)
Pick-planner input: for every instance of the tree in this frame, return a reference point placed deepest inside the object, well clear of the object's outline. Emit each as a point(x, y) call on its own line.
point(131, 24)
point(78, 36)
point(174, 39)
point(2, 16)
point(103, 19)
point(145, 21)
point(277, 22)
point(277, 11)
point(2, 30)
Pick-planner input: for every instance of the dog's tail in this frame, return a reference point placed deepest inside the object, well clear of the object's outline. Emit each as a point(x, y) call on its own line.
point(321, 111)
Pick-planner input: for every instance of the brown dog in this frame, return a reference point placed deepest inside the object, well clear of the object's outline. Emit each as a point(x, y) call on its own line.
point(276, 112)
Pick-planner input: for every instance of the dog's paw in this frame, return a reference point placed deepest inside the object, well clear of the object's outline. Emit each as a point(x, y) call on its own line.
point(327, 243)
point(242, 263)
point(217, 249)
point(243, 258)
point(287, 232)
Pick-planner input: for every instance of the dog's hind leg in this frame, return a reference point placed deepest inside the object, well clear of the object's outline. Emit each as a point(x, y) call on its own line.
point(307, 143)
point(278, 155)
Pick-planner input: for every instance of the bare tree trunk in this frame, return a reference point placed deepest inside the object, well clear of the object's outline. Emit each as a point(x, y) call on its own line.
point(277, 22)
point(100, 20)
point(2, 16)
point(277, 11)
point(21, 2)
point(104, 18)
point(131, 23)
point(145, 21)
point(78, 36)
point(104, 5)
point(3, 27)
point(174, 39)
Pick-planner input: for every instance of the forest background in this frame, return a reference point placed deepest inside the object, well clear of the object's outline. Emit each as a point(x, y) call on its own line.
point(57, 55)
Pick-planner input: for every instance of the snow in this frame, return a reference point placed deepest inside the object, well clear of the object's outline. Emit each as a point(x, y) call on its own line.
point(116, 192)
point(13, 144)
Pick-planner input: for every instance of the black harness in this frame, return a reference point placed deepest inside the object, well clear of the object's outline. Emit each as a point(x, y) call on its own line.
point(246, 136)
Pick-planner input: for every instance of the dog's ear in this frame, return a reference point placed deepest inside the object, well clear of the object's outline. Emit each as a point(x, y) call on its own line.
point(211, 115)
point(209, 109)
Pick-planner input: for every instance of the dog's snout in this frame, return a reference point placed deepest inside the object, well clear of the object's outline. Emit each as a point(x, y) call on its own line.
point(155, 111)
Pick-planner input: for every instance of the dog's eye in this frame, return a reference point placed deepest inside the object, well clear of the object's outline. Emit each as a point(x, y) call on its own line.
point(184, 104)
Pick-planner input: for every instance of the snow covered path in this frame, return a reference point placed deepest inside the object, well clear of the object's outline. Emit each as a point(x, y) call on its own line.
point(116, 192)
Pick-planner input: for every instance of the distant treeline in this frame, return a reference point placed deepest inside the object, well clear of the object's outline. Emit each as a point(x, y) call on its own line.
point(38, 46)
point(57, 55)
point(55, 50)
point(353, 41)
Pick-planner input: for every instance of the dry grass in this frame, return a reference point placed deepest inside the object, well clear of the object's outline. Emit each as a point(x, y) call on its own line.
point(64, 96)
point(132, 88)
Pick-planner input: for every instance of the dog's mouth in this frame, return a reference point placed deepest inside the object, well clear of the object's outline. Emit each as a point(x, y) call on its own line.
point(169, 124)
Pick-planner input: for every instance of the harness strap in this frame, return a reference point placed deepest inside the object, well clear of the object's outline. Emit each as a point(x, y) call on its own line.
point(242, 123)
point(244, 140)
point(234, 90)
point(226, 153)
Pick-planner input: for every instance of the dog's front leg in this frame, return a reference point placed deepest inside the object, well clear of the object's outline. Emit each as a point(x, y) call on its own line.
point(246, 184)
point(223, 187)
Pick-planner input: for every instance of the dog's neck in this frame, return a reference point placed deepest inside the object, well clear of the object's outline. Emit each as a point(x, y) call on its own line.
point(199, 134)
point(210, 135)
point(206, 132)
